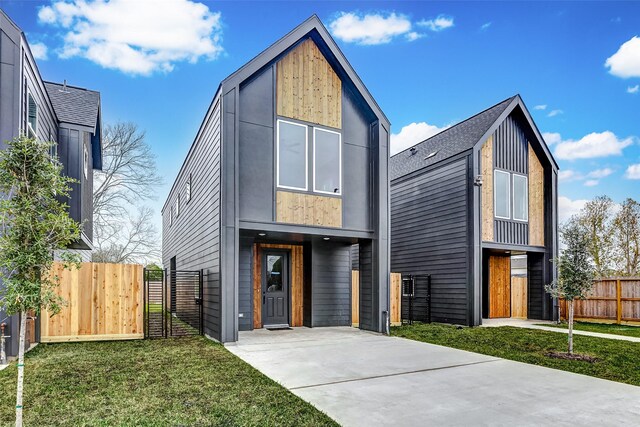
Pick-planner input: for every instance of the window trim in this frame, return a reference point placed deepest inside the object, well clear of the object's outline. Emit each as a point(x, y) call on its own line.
point(526, 201)
point(339, 193)
point(306, 156)
point(85, 160)
point(495, 199)
point(31, 130)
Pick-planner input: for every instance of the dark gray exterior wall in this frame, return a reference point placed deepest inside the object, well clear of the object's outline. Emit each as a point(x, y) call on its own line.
point(245, 284)
point(430, 235)
point(330, 284)
point(194, 236)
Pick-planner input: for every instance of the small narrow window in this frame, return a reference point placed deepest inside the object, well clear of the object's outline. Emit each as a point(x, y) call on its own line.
point(188, 189)
point(501, 193)
point(292, 154)
point(85, 161)
point(327, 162)
point(520, 198)
point(32, 121)
point(171, 216)
point(178, 206)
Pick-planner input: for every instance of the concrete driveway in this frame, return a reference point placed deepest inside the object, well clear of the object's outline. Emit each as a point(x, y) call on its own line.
point(363, 379)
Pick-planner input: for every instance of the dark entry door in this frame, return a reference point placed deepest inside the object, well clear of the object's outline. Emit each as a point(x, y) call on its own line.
point(275, 288)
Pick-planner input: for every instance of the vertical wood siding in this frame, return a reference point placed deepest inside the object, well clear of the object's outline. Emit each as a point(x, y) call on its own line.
point(486, 165)
point(308, 209)
point(536, 200)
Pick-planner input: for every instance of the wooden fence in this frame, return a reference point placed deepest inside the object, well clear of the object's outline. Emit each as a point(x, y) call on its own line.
point(395, 298)
point(104, 302)
point(612, 300)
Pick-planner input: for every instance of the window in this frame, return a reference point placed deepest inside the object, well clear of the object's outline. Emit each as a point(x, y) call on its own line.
point(178, 206)
point(32, 119)
point(520, 198)
point(292, 154)
point(501, 194)
point(327, 162)
point(188, 189)
point(171, 216)
point(85, 161)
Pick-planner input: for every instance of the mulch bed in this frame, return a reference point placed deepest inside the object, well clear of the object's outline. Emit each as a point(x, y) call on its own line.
point(567, 356)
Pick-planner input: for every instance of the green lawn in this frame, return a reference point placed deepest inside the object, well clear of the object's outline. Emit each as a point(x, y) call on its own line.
point(185, 381)
point(605, 328)
point(617, 360)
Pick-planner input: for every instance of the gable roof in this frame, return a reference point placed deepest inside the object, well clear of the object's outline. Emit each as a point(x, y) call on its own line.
point(459, 138)
point(311, 27)
point(74, 105)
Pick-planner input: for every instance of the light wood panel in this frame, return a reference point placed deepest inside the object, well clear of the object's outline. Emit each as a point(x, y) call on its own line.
point(499, 286)
point(536, 200)
point(519, 297)
point(307, 87)
point(104, 302)
point(308, 209)
point(486, 160)
point(355, 298)
point(296, 285)
point(395, 299)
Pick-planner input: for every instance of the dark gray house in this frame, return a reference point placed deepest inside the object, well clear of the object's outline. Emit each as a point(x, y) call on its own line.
point(467, 201)
point(67, 115)
point(287, 171)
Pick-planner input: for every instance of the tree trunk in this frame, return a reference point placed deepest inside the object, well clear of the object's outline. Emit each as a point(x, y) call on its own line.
point(23, 330)
point(570, 306)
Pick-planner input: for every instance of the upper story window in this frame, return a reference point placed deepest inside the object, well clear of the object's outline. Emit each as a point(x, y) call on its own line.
point(178, 206)
point(32, 116)
point(502, 194)
point(85, 161)
point(171, 216)
point(292, 155)
point(188, 189)
point(520, 198)
point(327, 161)
point(511, 196)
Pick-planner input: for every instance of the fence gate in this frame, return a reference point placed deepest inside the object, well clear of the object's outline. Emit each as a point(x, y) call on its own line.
point(172, 303)
point(416, 298)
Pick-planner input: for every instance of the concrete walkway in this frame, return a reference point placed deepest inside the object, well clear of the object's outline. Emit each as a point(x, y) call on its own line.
point(536, 324)
point(364, 379)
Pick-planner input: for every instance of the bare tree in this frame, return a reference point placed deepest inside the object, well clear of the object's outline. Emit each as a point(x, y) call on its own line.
point(128, 179)
point(626, 228)
point(596, 217)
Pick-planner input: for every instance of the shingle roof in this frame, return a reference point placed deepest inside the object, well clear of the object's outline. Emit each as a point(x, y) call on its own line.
point(451, 141)
point(73, 104)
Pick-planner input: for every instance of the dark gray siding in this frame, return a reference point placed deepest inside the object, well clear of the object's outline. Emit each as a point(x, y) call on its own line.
point(245, 285)
point(535, 285)
point(331, 284)
point(367, 321)
point(355, 257)
point(194, 236)
point(430, 235)
point(513, 232)
point(86, 184)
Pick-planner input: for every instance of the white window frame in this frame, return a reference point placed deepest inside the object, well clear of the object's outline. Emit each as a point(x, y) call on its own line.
point(31, 131)
point(495, 199)
point(85, 160)
point(188, 189)
point(339, 193)
point(306, 156)
point(178, 206)
point(526, 201)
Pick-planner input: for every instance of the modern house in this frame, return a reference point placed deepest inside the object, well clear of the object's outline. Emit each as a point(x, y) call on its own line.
point(66, 115)
point(287, 171)
point(475, 207)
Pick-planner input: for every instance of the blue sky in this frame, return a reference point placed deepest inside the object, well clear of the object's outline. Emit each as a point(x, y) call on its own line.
point(428, 64)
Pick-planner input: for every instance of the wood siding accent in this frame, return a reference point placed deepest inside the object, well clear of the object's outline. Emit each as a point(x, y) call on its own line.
point(104, 302)
point(355, 298)
point(499, 286)
point(296, 286)
point(519, 297)
point(536, 200)
point(486, 156)
point(307, 87)
point(308, 209)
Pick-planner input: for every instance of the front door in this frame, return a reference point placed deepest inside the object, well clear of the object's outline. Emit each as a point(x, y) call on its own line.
point(499, 286)
point(275, 288)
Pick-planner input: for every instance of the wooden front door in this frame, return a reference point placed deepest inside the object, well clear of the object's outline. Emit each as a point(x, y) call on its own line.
point(275, 288)
point(499, 286)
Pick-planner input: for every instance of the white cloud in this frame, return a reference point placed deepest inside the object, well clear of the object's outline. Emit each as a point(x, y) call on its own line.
point(39, 51)
point(485, 26)
point(591, 182)
point(551, 138)
point(567, 208)
point(554, 113)
point(439, 23)
point(370, 29)
point(568, 175)
point(625, 62)
point(136, 37)
point(414, 36)
point(412, 134)
point(633, 172)
point(600, 173)
point(633, 89)
point(595, 144)
point(540, 107)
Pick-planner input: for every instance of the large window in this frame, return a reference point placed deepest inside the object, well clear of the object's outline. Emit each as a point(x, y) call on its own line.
point(520, 198)
point(292, 154)
point(327, 162)
point(502, 192)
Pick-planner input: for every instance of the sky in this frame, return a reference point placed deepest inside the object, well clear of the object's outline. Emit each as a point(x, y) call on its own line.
point(429, 65)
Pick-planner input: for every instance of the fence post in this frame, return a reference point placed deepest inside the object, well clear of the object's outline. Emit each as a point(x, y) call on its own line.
point(619, 301)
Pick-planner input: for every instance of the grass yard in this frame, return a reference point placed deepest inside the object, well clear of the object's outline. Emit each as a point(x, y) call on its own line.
point(617, 360)
point(185, 381)
point(604, 328)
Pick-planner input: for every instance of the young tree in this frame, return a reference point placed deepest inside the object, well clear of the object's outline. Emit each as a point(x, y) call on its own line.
point(596, 218)
point(626, 227)
point(34, 224)
point(575, 268)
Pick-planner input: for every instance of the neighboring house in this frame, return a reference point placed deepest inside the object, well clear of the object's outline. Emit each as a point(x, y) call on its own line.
point(60, 113)
point(467, 200)
point(287, 171)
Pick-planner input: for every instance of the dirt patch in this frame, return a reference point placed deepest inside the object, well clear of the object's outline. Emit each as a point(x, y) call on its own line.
point(567, 356)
